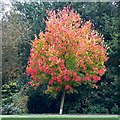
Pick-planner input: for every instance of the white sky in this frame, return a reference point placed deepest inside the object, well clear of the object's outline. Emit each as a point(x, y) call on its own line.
point(6, 4)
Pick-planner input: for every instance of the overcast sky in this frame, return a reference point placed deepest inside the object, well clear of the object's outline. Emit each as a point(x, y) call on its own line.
point(6, 4)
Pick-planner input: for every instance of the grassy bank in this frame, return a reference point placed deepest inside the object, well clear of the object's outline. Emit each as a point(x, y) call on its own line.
point(60, 117)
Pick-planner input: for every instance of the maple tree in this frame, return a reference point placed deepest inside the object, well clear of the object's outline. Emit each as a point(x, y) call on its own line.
point(68, 54)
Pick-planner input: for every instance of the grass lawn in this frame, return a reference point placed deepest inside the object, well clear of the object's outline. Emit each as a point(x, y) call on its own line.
point(59, 117)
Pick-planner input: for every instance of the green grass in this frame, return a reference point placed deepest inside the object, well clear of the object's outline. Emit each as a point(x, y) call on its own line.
point(59, 117)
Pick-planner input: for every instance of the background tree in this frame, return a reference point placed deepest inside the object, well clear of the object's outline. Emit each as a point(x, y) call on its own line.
point(14, 29)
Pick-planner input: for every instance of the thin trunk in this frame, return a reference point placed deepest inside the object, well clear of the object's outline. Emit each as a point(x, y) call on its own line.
point(62, 102)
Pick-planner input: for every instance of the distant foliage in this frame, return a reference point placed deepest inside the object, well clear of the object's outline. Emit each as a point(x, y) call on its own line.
point(68, 54)
point(11, 109)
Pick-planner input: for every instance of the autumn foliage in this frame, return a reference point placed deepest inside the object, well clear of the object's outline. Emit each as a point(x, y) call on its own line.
point(68, 54)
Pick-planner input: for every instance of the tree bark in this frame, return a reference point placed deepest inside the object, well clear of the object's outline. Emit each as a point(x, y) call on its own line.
point(62, 102)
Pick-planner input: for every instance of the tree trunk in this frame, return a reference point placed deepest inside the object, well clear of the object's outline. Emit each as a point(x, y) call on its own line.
point(62, 102)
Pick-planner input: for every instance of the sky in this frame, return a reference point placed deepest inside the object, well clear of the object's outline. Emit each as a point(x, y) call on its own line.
point(5, 4)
